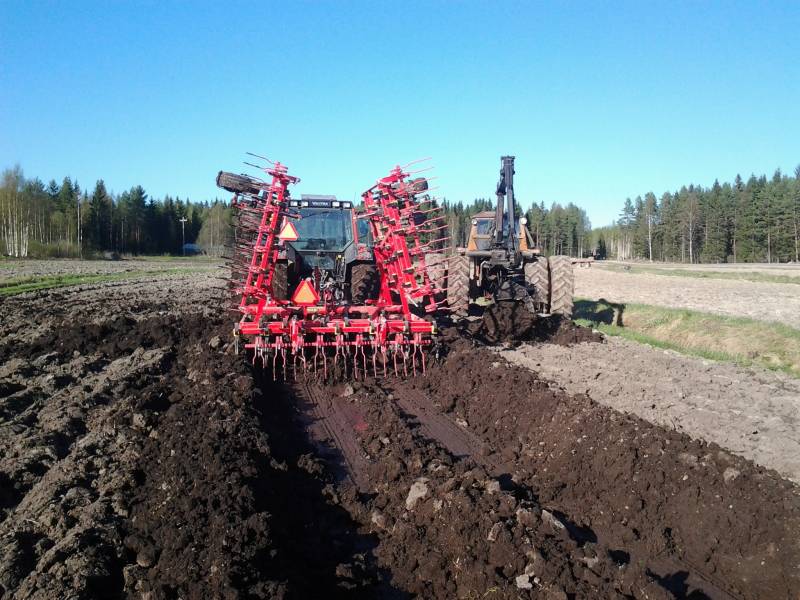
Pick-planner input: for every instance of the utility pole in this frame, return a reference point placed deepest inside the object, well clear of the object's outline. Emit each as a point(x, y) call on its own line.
point(183, 234)
point(80, 235)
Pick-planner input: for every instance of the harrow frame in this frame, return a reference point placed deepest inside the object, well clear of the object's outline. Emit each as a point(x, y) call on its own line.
point(392, 328)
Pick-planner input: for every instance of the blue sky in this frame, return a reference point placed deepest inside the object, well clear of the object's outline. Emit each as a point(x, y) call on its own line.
point(598, 101)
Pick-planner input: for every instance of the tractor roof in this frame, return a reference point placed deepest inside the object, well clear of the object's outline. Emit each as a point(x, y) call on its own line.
point(316, 197)
point(319, 201)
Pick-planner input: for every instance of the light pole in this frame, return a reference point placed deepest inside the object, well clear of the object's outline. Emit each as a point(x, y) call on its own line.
point(183, 234)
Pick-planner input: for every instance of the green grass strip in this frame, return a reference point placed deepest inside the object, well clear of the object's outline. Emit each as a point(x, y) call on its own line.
point(739, 340)
point(12, 287)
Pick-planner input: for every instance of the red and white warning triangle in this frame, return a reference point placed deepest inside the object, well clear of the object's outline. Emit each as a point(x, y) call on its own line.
point(305, 294)
point(288, 232)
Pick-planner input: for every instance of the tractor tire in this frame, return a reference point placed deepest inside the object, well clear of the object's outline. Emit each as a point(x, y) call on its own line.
point(538, 276)
point(280, 281)
point(458, 284)
point(237, 184)
point(364, 283)
point(436, 265)
point(562, 286)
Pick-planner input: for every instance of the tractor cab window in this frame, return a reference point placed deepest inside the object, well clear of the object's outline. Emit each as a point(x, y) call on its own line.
point(484, 226)
point(364, 232)
point(323, 229)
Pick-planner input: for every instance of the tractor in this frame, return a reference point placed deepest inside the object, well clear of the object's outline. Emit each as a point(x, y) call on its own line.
point(500, 262)
point(315, 277)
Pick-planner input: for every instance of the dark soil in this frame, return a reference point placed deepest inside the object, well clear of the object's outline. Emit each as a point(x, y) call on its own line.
point(512, 322)
point(685, 514)
point(140, 458)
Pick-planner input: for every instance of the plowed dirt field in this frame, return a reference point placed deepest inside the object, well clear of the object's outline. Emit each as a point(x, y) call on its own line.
point(141, 458)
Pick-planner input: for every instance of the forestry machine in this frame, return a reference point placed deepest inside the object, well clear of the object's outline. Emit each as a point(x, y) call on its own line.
point(317, 280)
point(500, 262)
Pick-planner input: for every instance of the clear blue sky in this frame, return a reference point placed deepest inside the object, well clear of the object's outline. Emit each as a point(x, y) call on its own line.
point(597, 104)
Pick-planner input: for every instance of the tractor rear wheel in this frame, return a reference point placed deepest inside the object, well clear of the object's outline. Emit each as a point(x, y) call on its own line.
point(280, 281)
point(436, 265)
point(458, 276)
point(562, 286)
point(537, 275)
point(363, 283)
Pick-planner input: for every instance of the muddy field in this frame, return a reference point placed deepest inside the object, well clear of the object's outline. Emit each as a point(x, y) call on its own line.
point(762, 300)
point(14, 269)
point(139, 457)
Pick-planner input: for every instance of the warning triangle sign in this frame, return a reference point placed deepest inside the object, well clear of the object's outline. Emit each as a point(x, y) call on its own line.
point(305, 294)
point(288, 232)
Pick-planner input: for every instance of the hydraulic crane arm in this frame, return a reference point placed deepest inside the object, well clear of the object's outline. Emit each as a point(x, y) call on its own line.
point(505, 229)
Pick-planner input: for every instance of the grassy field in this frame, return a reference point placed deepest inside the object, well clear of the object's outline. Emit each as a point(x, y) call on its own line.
point(736, 339)
point(11, 287)
point(754, 276)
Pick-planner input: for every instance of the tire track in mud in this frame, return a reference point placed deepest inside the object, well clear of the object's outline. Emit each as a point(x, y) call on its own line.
point(332, 422)
point(454, 436)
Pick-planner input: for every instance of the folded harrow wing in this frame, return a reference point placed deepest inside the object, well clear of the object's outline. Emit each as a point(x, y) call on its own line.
point(321, 285)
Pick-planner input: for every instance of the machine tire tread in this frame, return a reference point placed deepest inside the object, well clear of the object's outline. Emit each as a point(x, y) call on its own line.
point(280, 281)
point(436, 265)
point(458, 276)
point(562, 286)
point(537, 274)
point(363, 283)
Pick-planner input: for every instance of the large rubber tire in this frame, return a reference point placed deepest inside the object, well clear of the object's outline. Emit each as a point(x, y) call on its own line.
point(436, 265)
point(458, 280)
point(562, 286)
point(363, 283)
point(237, 184)
point(280, 281)
point(537, 275)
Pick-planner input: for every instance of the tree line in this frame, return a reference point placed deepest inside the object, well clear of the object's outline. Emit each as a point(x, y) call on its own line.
point(64, 220)
point(757, 220)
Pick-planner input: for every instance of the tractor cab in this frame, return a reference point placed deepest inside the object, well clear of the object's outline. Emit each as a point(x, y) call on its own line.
point(325, 241)
point(482, 230)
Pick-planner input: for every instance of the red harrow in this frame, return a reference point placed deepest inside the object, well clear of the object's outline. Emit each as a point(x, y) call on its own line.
point(315, 323)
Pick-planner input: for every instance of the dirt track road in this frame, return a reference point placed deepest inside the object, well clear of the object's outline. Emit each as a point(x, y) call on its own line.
point(139, 457)
point(765, 301)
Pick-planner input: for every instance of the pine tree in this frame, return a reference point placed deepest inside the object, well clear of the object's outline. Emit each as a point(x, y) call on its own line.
point(99, 216)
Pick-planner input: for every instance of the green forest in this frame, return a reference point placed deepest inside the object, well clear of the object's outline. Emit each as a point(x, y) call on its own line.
point(63, 220)
point(757, 220)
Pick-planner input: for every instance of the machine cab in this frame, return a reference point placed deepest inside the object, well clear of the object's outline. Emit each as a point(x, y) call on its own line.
point(482, 227)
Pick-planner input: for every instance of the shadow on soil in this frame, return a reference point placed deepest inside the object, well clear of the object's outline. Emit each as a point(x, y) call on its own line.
point(600, 311)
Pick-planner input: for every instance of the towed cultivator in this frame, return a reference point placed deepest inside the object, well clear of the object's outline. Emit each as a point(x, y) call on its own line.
point(322, 286)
